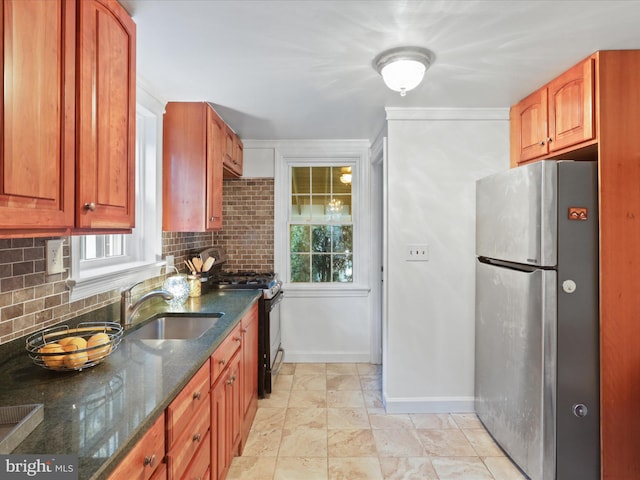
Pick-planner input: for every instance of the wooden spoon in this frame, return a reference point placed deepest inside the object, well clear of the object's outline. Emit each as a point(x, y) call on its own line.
point(197, 262)
point(208, 264)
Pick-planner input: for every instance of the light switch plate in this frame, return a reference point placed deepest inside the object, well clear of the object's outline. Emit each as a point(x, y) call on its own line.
point(55, 260)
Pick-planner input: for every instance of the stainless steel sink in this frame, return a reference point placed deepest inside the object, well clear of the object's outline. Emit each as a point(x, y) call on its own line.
point(175, 327)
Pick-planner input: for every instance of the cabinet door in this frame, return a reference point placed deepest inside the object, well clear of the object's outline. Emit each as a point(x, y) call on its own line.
point(249, 370)
point(215, 139)
point(105, 166)
point(143, 459)
point(37, 114)
point(531, 116)
point(571, 107)
point(219, 431)
point(234, 404)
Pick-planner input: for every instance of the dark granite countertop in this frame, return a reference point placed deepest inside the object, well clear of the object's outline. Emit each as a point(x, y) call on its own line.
point(102, 411)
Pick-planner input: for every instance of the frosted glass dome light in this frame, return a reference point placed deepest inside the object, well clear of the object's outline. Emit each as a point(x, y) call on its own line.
point(403, 68)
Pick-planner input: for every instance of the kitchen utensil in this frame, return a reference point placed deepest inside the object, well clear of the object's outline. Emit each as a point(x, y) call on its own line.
point(192, 269)
point(197, 262)
point(208, 263)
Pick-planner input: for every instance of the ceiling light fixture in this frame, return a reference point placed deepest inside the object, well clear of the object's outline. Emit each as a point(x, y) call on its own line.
point(403, 68)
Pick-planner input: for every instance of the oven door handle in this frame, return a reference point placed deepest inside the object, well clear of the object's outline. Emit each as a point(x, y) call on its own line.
point(280, 352)
point(273, 302)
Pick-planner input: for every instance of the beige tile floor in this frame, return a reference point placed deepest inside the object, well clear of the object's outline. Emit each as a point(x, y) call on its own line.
point(326, 422)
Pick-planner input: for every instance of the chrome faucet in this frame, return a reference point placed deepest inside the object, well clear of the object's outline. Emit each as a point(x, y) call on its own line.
point(129, 309)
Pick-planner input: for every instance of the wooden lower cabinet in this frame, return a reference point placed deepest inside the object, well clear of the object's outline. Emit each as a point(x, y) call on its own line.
point(220, 459)
point(234, 393)
point(188, 447)
point(208, 422)
point(145, 457)
point(249, 367)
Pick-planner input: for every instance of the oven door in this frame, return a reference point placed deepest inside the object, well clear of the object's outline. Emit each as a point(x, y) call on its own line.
point(276, 352)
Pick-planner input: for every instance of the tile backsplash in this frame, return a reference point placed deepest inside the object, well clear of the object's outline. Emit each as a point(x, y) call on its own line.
point(30, 299)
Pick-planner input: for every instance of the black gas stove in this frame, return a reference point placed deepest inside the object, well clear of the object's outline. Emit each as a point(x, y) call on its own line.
point(268, 282)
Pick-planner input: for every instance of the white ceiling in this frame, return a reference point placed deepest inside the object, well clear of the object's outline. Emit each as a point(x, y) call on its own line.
point(292, 69)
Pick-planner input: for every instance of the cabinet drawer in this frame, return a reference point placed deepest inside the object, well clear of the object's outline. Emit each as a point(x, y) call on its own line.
point(188, 401)
point(221, 357)
point(145, 456)
point(160, 473)
point(199, 467)
point(193, 438)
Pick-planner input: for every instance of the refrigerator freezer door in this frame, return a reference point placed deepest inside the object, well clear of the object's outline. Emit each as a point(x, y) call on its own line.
point(516, 215)
point(515, 363)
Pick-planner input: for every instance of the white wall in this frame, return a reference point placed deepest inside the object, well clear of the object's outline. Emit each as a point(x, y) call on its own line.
point(434, 158)
point(321, 323)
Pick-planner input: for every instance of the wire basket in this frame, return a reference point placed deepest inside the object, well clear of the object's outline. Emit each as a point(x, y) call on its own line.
point(69, 349)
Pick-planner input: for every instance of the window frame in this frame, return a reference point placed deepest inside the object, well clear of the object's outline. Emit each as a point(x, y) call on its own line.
point(317, 153)
point(144, 257)
point(311, 222)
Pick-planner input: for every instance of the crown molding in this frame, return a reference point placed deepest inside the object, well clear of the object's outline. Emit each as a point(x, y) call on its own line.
point(418, 113)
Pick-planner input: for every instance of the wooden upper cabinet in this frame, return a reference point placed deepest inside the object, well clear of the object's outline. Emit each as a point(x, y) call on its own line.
point(232, 154)
point(192, 168)
point(105, 163)
point(37, 112)
point(531, 117)
point(215, 136)
point(571, 101)
point(556, 117)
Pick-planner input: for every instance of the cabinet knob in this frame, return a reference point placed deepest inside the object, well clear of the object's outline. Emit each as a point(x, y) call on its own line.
point(549, 140)
point(197, 395)
point(237, 339)
point(221, 362)
point(244, 330)
point(541, 143)
point(196, 437)
point(90, 206)
point(149, 461)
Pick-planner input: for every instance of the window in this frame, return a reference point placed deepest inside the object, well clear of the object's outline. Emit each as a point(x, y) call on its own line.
point(321, 224)
point(103, 262)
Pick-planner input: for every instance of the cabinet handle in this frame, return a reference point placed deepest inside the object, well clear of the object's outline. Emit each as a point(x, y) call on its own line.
point(213, 219)
point(90, 206)
point(149, 461)
point(196, 437)
point(197, 395)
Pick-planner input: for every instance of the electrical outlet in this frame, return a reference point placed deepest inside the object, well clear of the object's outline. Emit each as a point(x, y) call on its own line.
point(417, 252)
point(55, 260)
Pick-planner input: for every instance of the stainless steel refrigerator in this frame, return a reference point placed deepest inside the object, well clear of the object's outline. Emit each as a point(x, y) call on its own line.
point(537, 361)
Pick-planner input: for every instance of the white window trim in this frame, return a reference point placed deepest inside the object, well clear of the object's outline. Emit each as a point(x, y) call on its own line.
point(355, 152)
point(104, 279)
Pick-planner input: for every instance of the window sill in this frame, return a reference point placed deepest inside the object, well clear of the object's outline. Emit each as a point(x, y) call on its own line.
point(300, 290)
point(105, 279)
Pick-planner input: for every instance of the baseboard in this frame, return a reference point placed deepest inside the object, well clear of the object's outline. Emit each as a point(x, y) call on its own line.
point(326, 357)
point(428, 404)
